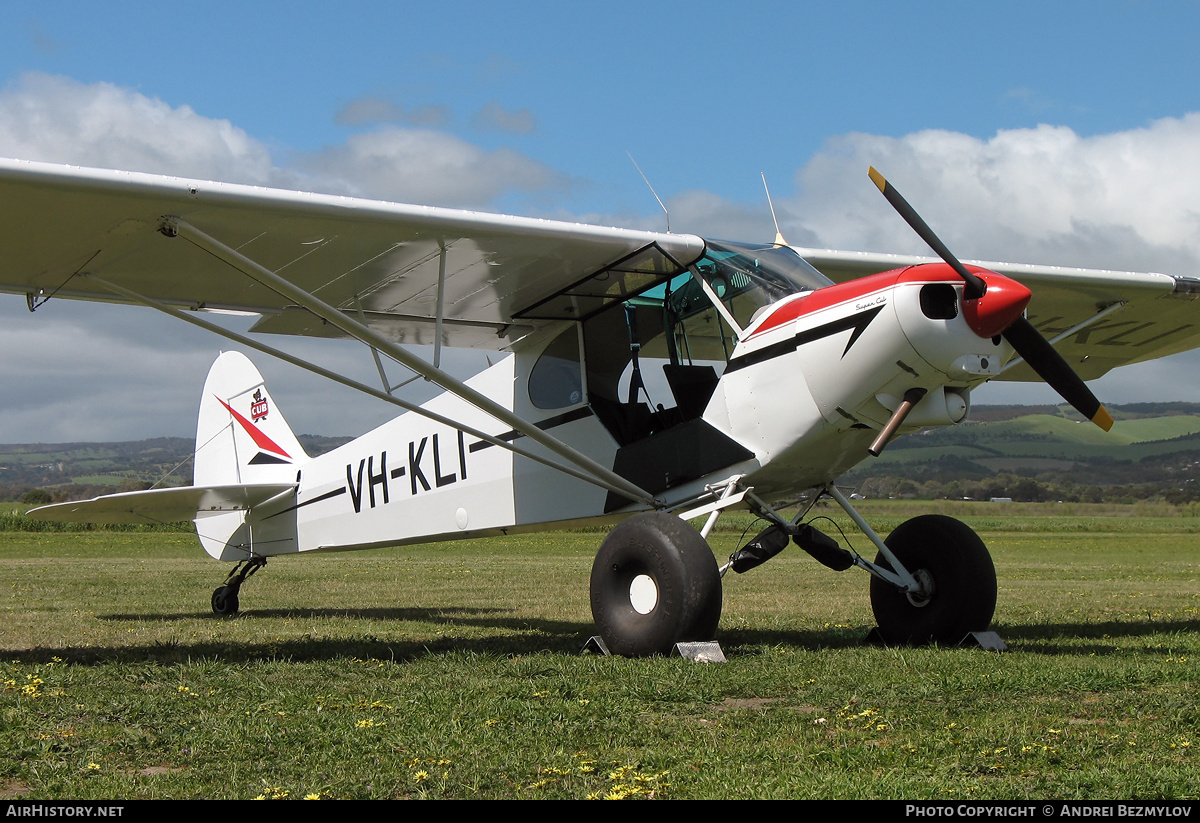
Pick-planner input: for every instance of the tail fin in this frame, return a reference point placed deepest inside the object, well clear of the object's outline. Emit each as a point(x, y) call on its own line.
point(241, 437)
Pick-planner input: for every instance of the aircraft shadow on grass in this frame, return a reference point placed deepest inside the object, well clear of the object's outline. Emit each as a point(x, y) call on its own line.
point(530, 636)
point(1063, 638)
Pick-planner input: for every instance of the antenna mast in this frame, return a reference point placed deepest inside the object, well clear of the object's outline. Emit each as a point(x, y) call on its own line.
point(779, 241)
point(652, 191)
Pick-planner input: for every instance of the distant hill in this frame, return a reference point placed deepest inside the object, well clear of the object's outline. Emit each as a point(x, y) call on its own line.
point(1049, 452)
point(1024, 452)
point(72, 471)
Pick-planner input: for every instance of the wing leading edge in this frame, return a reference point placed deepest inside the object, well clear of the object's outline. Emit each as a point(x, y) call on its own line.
point(381, 262)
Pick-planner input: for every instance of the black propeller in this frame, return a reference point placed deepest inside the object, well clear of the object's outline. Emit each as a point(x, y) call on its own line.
point(1021, 335)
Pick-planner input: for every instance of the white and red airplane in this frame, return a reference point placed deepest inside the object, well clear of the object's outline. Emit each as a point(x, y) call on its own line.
point(650, 379)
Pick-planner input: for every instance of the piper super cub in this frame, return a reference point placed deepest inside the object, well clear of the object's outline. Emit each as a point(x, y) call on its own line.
point(650, 379)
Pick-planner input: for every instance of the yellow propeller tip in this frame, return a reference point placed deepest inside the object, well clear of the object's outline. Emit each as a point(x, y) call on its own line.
point(877, 178)
point(1103, 419)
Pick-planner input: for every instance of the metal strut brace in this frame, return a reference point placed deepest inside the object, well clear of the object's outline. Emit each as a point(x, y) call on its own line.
point(897, 575)
point(729, 496)
point(441, 305)
point(383, 378)
point(345, 381)
point(364, 334)
point(243, 569)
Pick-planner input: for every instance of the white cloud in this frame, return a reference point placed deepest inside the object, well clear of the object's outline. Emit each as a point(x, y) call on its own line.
point(56, 119)
point(707, 214)
point(425, 166)
point(1043, 195)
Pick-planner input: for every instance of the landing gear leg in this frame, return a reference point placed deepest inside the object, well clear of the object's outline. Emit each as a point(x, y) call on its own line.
point(225, 598)
point(933, 580)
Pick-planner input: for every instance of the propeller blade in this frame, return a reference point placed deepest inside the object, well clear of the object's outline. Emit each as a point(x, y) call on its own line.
point(975, 286)
point(1042, 357)
point(1051, 367)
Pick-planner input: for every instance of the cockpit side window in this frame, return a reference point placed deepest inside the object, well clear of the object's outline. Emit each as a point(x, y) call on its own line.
point(556, 380)
point(654, 359)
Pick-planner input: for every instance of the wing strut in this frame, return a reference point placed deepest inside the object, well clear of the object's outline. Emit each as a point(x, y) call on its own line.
point(265, 277)
point(441, 304)
point(346, 381)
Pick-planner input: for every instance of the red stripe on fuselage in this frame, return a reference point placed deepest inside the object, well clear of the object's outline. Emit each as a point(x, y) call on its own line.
point(856, 289)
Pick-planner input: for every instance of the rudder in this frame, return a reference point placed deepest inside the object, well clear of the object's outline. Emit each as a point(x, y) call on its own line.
point(241, 436)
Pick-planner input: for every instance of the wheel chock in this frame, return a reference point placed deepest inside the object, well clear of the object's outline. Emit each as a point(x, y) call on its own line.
point(596, 645)
point(708, 651)
point(989, 641)
point(701, 652)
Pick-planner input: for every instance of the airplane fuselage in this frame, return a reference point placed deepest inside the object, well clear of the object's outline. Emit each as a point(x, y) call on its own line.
point(806, 389)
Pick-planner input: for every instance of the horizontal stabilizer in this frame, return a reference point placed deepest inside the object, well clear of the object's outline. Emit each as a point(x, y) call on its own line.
point(163, 505)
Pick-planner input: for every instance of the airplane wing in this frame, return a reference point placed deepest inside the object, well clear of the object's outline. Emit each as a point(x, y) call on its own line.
point(1146, 315)
point(162, 505)
point(500, 277)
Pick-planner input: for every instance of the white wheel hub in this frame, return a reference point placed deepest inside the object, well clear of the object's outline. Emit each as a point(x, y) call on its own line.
point(921, 598)
point(643, 594)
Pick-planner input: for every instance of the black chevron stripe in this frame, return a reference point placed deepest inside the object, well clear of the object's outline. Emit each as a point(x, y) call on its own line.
point(858, 322)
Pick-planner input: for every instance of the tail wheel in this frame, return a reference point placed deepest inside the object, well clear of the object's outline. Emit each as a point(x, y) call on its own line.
point(654, 583)
point(957, 577)
point(225, 601)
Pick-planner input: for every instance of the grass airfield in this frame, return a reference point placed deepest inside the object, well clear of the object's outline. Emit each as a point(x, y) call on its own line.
point(454, 671)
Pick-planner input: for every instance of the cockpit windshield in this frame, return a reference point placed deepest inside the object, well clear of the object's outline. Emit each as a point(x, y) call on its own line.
point(747, 277)
point(653, 359)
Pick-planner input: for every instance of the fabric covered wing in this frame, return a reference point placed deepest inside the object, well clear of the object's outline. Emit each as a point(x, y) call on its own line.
point(59, 224)
point(1160, 315)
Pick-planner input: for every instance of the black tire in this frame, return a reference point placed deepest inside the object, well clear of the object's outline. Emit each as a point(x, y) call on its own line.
point(655, 583)
point(953, 562)
point(225, 601)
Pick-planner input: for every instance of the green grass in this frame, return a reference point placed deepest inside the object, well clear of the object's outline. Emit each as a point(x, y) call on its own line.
point(454, 671)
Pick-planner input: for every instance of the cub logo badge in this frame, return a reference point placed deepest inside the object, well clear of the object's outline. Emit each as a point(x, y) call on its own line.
point(258, 409)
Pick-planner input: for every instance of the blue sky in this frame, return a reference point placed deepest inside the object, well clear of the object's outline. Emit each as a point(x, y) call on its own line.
point(532, 108)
